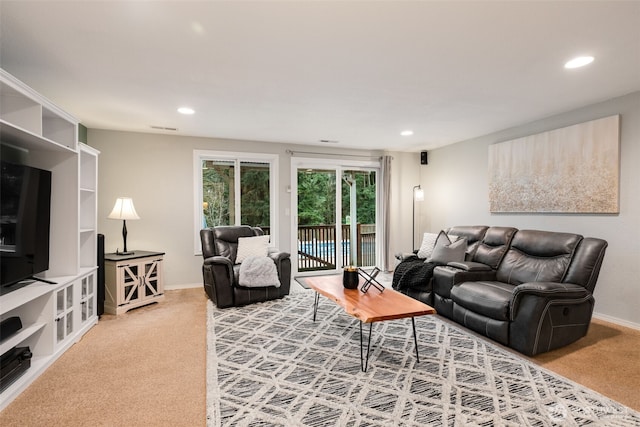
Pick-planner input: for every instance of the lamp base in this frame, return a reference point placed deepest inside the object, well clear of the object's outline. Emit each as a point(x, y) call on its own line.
point(125, 252)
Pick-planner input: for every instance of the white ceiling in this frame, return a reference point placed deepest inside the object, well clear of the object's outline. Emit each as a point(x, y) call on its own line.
point(358, 72)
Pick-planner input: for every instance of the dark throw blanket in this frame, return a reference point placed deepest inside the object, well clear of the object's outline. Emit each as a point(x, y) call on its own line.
point(413, 274)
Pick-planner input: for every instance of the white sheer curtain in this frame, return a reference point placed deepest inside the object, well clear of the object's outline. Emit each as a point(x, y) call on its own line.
point(386, 262)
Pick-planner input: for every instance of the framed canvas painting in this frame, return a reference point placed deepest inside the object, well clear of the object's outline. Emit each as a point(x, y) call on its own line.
point(569, 170)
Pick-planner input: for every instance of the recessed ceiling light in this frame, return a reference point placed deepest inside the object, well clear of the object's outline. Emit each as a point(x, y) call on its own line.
point(406, 133)
point(578, 62)
point(186, 110)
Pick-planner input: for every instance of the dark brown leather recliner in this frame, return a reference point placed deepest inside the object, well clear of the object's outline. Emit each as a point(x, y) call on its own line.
point(220, 271)
point(537, 298)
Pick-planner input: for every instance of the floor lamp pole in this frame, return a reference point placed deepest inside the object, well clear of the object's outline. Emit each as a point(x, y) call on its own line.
point(413, 218)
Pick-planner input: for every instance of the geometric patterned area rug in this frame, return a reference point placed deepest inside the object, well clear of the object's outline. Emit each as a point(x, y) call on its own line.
point(270, 364)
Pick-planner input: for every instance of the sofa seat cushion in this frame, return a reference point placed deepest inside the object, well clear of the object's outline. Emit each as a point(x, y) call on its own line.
point(489, 298)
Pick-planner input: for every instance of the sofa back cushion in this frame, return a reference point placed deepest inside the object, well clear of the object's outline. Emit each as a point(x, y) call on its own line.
point(586, 263)
point(538, 256)
point(492, 248)
point(473, 234)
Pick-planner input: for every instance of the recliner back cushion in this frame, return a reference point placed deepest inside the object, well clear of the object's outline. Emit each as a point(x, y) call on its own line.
point(537, 256)
point(494, 245)
point(226, 239)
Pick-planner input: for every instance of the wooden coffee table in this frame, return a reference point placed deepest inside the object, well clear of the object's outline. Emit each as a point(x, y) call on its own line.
point(370, 307)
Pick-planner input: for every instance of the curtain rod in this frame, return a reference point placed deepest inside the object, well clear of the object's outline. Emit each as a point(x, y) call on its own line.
point(293, 153)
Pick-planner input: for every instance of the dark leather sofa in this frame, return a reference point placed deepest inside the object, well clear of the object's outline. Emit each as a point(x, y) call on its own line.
point(530, 290)
point(220, 271)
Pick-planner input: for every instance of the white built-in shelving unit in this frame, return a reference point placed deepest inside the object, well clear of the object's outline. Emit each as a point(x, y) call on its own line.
point(53, 316)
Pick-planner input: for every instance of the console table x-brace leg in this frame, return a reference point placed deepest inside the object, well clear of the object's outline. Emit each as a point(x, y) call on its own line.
point(364, 360)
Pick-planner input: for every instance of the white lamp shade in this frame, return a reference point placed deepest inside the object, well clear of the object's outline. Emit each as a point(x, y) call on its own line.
point(123, 209)
point(419, 195)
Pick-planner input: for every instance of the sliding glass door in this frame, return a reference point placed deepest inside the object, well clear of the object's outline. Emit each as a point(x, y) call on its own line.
point(317, 234)
point(334, 216)
point(359, 208)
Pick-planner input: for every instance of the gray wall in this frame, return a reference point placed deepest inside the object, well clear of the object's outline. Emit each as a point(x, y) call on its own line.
point(156, 170)
point(456, 183)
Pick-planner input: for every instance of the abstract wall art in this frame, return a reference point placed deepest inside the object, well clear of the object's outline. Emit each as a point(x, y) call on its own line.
point(569, 170)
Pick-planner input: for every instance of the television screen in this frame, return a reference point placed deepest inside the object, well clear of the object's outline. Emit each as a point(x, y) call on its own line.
point(25, 209)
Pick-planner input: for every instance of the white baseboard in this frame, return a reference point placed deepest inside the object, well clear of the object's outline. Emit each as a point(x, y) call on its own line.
point(183, 286)
point(617, 321)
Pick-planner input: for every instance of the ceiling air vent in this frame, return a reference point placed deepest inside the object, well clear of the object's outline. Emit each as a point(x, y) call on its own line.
point(329, 141)
point(164, 128)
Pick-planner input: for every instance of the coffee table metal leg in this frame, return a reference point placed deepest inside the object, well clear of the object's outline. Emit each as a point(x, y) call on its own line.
point(315, 306)
point(415, 339)
point(364, 363)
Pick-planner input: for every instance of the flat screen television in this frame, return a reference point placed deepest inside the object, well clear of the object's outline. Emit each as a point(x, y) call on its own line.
point(25, 212)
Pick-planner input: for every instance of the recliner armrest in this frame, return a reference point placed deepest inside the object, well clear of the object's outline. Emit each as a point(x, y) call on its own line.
point(218, 260)
point(548, 290)
point(222, 265)
point(277, 256)
point(470, 266)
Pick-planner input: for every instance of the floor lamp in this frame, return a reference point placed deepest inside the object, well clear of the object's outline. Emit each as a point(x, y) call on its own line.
point(124, 210)
point(418, 196)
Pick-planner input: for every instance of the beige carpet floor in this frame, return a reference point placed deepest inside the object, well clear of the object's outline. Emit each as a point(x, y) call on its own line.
point(147, 368)
point(607, 360)
point(142, 368)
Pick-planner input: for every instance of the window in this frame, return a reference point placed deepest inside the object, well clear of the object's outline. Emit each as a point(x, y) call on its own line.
point(234, 189)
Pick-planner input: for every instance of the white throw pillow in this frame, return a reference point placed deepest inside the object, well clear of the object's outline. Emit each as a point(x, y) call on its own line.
point(256, 246)
point(429, 242)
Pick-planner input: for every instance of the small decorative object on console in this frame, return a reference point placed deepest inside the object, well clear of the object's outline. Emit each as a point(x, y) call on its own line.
point(350, 278)
point(370, 280)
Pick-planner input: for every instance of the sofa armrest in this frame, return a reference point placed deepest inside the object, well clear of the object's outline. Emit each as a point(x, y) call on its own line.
point(470, 266)
point(546, 290)
point(548, 315)
point(445, 277)
point(405, 256)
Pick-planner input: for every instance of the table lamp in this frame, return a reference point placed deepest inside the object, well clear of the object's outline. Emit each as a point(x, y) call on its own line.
point(124, 210)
